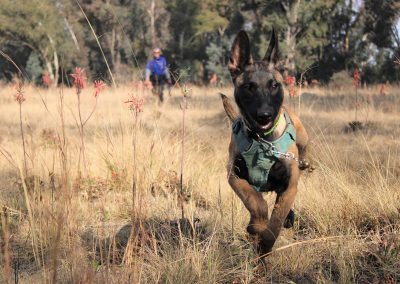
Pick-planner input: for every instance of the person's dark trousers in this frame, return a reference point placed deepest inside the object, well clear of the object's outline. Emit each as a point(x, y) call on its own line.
point(158, 82)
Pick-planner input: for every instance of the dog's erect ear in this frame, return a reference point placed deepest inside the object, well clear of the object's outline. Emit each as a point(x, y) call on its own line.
point(272, 54)
point(240, 54)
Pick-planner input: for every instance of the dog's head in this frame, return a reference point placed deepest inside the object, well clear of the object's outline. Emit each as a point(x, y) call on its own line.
point(258, 85)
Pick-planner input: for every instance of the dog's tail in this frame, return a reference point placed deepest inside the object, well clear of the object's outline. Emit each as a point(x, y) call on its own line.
point(229, 108)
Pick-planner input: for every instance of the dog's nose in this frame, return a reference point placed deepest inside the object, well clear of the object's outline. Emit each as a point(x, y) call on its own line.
point(264, 116)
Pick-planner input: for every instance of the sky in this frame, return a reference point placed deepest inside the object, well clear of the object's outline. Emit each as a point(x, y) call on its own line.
point(398, 27)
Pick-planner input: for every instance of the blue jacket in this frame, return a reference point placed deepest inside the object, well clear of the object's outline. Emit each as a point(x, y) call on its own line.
point(157, 66)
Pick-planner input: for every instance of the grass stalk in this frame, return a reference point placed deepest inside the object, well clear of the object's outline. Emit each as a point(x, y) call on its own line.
point(30, 217)
point(135, 176)
point(5, 245)
point(66, 195)
point(356, 108)
point(81, 130)
point(56, 248)
point(136, 107)
point(181, 194)
point(23, 140)
point(62, 146)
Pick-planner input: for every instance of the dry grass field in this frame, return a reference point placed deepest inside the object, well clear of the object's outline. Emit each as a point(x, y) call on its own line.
point(66, 220)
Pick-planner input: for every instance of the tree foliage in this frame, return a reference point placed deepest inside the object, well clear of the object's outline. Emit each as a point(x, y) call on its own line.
point(195, 36)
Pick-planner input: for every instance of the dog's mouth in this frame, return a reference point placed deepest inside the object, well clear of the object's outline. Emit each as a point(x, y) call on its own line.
point(260, 125)
point(264, 125)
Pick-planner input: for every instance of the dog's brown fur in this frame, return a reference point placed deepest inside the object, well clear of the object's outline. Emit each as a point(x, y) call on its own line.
point(266, 230)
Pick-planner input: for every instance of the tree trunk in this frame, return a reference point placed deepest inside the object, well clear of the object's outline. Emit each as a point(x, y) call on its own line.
point(49, 68)
point(112, 41)
point(347, 35)
point(53, 75)
point(181, 41)
point(291, 50)
point(117, 55)
point(56, 67)
point(111, 46)
point(71, 31)
point(291, 33)
point(152, 15)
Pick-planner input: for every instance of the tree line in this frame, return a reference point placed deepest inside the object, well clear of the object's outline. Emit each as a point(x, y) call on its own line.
point(115, 37)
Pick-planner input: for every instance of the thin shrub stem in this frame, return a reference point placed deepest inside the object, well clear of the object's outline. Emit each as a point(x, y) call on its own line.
point(81, 130)
point(184, 106)
point(23, 139)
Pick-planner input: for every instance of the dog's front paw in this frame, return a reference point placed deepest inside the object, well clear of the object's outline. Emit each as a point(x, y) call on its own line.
point(255, 228)
point(305, 165)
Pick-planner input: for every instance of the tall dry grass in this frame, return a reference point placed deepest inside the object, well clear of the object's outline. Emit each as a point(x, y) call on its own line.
point(60, 226)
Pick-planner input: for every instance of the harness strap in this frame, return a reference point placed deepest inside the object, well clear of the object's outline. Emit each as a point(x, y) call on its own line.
point(258, 155)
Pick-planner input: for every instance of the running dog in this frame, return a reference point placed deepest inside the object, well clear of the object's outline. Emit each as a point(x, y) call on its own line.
point(268, 143)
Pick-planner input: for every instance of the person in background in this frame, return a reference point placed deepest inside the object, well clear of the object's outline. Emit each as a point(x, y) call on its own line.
point(157, 73)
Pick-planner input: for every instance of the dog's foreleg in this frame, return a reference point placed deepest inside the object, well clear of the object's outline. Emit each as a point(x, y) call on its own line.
point(254, 203)
point(301, 143)
point(251, 198)
point(281, 209)
point(301, 140)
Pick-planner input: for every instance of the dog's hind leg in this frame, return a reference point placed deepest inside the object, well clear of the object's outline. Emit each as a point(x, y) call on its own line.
point(289, 221)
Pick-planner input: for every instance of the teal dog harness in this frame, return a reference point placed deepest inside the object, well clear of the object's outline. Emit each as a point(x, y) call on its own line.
point(260, 155)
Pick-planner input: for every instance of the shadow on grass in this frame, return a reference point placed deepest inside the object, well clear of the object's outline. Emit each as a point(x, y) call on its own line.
point(146, 235)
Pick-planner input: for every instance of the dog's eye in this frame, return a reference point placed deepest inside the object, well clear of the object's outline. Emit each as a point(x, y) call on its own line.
point(274, 85)
point(245, 86)
point(249, 86)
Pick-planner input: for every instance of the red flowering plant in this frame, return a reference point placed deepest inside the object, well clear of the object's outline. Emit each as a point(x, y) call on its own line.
point(290, 82)
point(99, 85)
point(79, 82)
point(135, 104)
point(356, 78)
point(356, 81)
point(78, 79)
point(46, 79)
